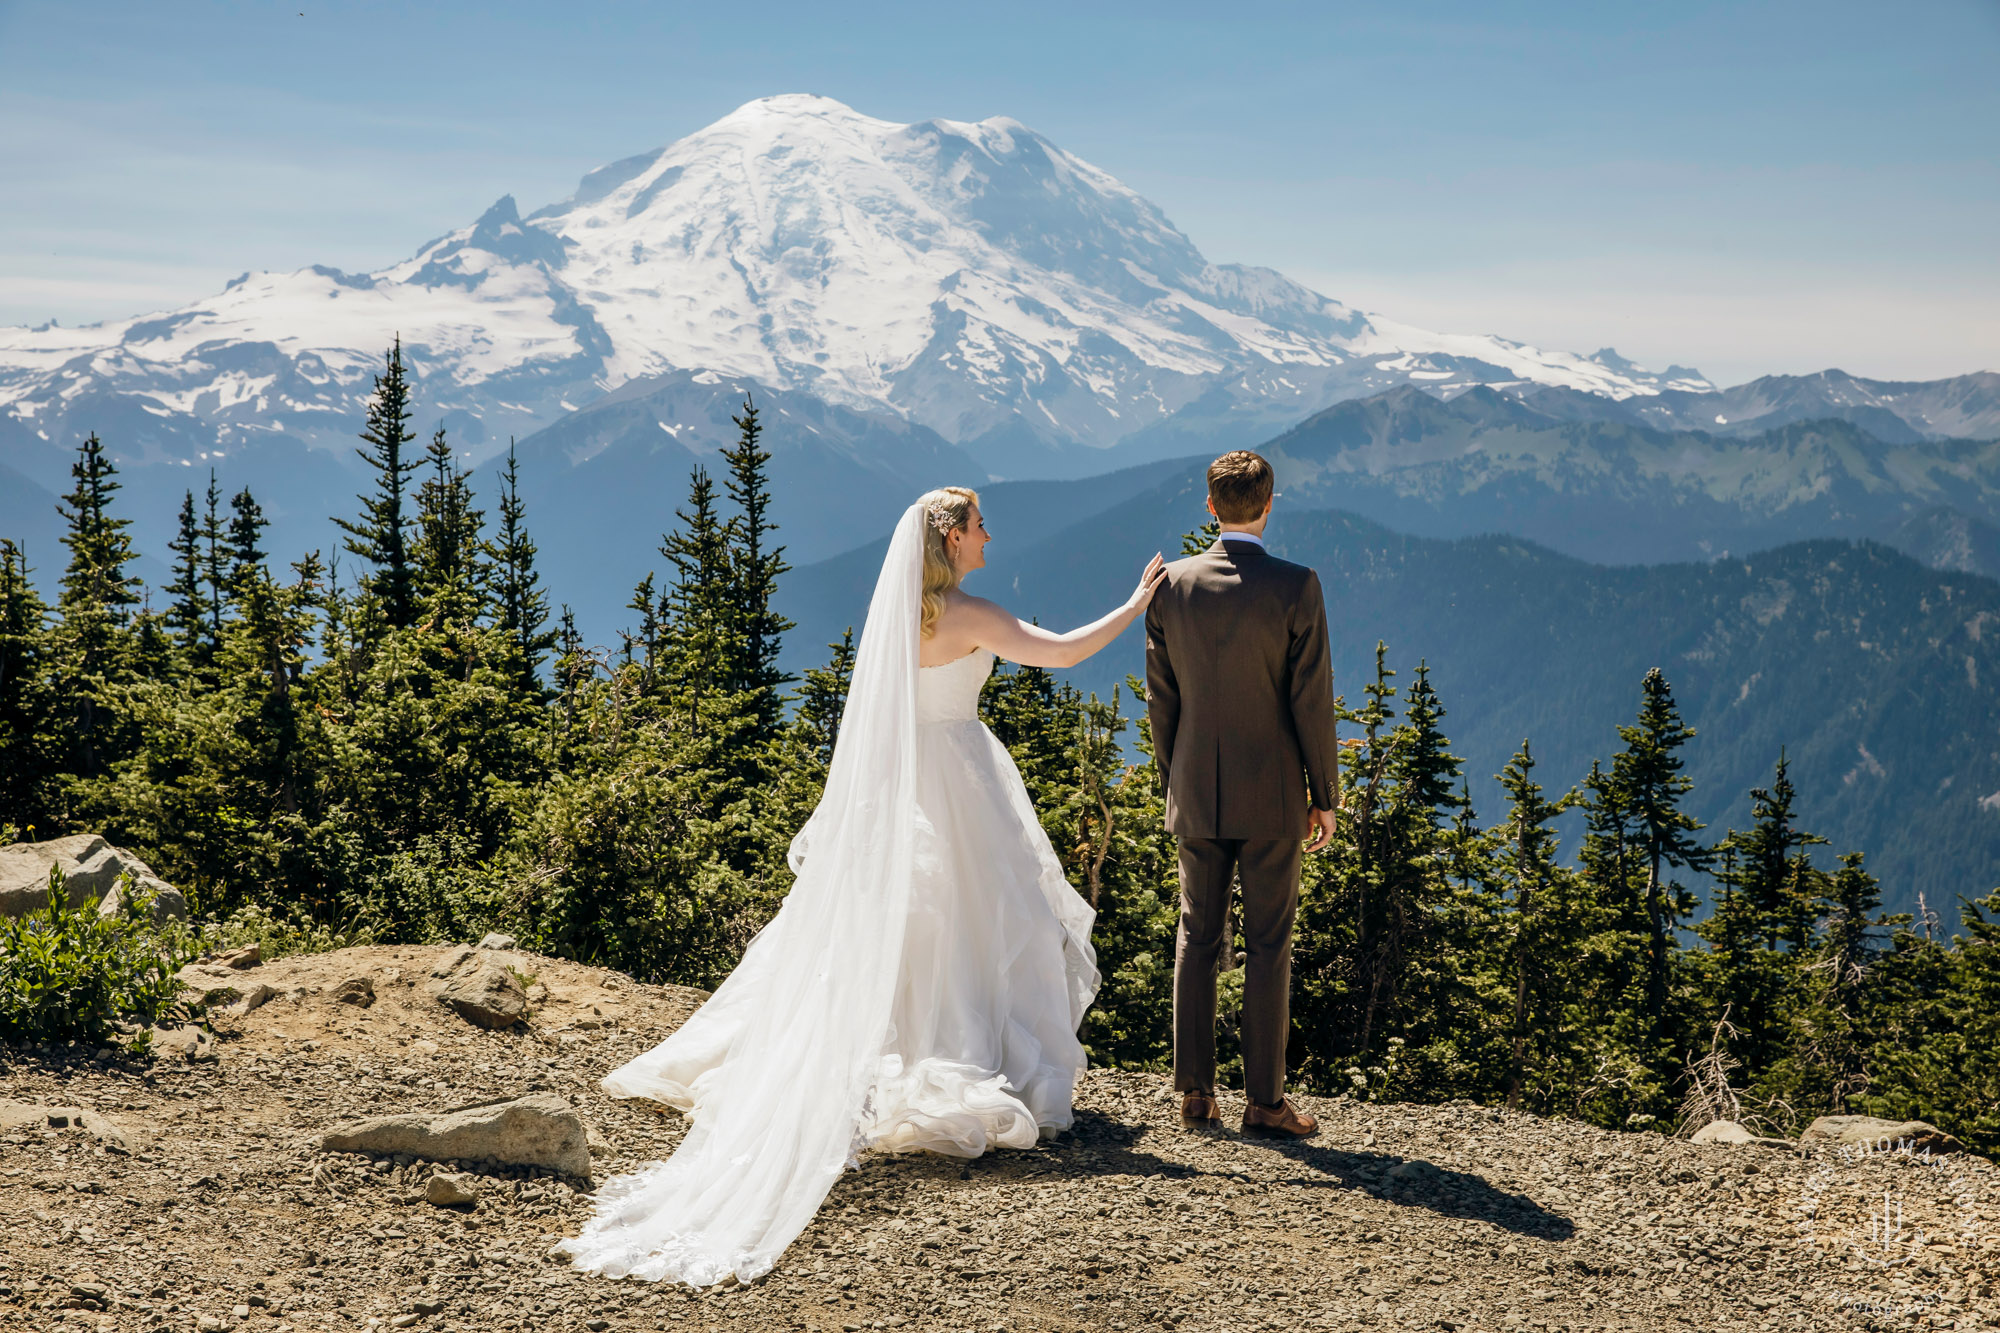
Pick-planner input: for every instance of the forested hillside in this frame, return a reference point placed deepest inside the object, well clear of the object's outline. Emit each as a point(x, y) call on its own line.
point(1873, 673)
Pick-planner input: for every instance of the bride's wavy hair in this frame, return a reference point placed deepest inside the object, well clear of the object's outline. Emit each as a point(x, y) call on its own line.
point(946, 510)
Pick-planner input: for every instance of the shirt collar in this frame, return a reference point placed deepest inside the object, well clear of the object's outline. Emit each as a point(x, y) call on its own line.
point(1243, 537)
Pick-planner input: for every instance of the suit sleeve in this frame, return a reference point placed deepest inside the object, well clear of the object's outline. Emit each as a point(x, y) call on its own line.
point(1311, 672)
point(1163, 691)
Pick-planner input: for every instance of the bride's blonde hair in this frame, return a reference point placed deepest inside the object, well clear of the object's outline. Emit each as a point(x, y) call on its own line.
point(947, 509)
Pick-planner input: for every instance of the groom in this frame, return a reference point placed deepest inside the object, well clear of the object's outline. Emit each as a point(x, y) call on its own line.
point(1240, 695)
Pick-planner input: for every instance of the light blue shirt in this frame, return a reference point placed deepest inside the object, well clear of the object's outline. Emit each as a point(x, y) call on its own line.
point(1243, 537)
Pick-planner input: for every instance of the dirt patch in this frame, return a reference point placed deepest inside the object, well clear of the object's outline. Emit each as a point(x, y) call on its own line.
point(223, 1214)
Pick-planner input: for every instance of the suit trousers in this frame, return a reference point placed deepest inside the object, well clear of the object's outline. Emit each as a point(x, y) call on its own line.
point(1269, 870)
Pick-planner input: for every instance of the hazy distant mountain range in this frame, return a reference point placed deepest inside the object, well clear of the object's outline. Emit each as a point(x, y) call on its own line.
point(1873, 673)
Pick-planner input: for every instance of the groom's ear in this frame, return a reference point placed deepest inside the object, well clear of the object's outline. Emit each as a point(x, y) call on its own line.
point(1210, 504)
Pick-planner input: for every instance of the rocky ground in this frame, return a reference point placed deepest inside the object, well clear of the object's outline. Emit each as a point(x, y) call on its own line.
point(193, 1196)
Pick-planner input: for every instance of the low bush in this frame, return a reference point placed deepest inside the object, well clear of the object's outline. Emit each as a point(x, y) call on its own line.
point(68, 974)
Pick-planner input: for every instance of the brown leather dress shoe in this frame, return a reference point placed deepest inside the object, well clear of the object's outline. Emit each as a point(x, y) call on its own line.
point(1199, 1111)
point(1284, 1120)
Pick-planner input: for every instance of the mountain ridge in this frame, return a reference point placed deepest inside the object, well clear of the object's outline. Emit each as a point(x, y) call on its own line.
point(971, 277)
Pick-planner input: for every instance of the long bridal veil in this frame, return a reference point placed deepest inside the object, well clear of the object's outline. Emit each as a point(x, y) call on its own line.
point(786, 1050)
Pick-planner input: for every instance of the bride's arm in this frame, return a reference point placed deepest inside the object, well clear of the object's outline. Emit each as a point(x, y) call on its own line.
point(1000, 633)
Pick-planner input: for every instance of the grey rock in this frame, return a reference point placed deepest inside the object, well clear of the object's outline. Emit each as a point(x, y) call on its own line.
point(488, 994)
point(537, 1130)
point(1866, 1131)
point(249, 956)
point(358, 991)
point(255, 995)
point(452, 959)
point(210, 986)
point(496, 940)
point(91, 867)
point(187, 1043)
point(452, 1189)
point(108, 1132)
point(1728, 1132)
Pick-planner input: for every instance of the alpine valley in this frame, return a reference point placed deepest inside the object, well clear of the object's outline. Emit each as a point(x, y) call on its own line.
point(951, 301)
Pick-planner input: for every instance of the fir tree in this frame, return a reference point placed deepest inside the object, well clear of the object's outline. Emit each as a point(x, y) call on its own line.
point(97, 593)
point(1544, 931)
point(29, 752)
point(245, 541)
point(448, 559)
point(214, 563)
point(755, 566)
point(823, 698)
point(189, 614)
point(380, 535)
point(521, 606)
point(1647, 777)
point(702, 642)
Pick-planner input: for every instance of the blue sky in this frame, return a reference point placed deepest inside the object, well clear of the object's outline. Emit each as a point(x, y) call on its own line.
point(1748, 188)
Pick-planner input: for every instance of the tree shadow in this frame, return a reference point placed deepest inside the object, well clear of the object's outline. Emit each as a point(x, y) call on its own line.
point(1097, 1145)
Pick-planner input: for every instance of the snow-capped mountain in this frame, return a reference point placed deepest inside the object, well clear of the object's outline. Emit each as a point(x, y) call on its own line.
point(972, 278)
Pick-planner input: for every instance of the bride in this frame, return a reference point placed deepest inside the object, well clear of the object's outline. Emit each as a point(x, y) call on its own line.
point(922, 985)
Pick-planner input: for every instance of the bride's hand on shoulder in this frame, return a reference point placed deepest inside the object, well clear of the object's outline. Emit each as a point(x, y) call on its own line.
point(1149, 582)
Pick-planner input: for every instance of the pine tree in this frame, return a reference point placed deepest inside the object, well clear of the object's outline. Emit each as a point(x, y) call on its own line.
point(448, 559)
point(755, 566)
point(521, 606)
point(214, 563)
point(245, 541)
point(29, 752)
point(189, 614)
point(701, 623)
point(1545, 931)
point(97, 594)
point(1647, 777)
point(1760, 930)
point(823, 698)
point(380, 535)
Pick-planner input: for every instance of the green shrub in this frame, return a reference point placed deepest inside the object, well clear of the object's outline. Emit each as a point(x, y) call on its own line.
point(279, 936)
point(68, 974)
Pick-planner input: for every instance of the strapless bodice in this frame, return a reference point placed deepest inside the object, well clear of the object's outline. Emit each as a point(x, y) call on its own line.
point(950, 693)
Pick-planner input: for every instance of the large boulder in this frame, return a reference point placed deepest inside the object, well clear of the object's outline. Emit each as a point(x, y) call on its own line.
point(537, 1130)
point(1873, 1135)
point(91, 867)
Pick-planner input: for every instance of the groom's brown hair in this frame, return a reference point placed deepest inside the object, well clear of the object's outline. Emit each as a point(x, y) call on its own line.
point(1239, 485)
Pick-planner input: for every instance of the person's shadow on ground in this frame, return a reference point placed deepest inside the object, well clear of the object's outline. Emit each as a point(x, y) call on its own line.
point(1097, 1145)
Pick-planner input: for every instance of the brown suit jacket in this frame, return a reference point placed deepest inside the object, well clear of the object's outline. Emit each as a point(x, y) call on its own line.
point(1239, 689)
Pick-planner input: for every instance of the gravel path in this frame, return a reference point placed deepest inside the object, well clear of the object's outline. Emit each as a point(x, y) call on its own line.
point(223, 1215)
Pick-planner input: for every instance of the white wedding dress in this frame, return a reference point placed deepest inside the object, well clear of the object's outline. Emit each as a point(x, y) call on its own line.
point(920, 989)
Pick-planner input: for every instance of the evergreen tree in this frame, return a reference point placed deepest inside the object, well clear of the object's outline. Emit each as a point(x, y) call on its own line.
point(245, 541)
point(521, 607)
point(702, 644)
point(823, 698)
point(755, 566)
point(190, 613)
point(1761, 927)
point(1647, 777)
point(380, 535)
point(1547, 932)
point(97, 594)
point(29, 752)
point(214, 563)
point(448, 559)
